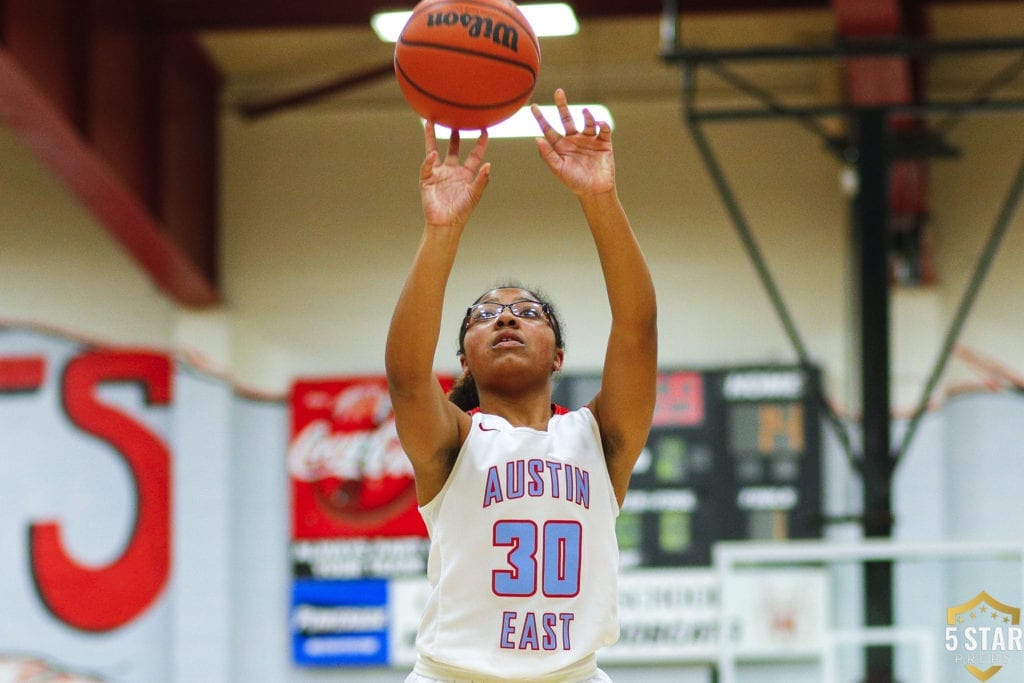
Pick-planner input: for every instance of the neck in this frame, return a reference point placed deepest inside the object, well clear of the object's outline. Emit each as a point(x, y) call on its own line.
point(522, 411)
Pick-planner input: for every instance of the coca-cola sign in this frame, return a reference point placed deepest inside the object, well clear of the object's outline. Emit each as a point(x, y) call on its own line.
point(350, 476)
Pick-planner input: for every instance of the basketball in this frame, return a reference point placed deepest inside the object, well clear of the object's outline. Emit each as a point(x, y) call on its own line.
point(467, 64)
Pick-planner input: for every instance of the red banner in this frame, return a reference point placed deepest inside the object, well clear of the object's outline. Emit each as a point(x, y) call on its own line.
point(349, 475)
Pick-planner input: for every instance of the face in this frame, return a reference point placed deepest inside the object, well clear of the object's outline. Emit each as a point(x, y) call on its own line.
point(500, 345)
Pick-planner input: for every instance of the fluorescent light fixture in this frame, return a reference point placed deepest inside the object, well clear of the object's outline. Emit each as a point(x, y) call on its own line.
point(523, 125)
point(546, 19)
point(551, 19)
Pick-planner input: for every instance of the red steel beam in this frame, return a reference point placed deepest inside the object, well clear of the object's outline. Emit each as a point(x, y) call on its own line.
point(882, 81)
point(44, 128)
point(874, 80)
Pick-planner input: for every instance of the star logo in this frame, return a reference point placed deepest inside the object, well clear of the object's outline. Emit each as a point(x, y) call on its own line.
point(991, 637)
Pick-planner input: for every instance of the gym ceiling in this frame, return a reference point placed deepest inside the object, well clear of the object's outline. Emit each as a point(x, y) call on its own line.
point(121, 99)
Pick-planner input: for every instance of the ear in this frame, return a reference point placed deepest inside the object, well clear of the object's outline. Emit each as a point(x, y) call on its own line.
point(463, 364)
point(556, 366)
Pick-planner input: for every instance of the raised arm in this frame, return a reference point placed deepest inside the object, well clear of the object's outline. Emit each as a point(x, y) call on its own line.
point(429, 426)
point(583, 161)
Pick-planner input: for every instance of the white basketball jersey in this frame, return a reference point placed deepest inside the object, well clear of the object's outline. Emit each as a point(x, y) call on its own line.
point(523, 556)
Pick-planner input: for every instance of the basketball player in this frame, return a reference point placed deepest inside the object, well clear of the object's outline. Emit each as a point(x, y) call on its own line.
point(520, 496)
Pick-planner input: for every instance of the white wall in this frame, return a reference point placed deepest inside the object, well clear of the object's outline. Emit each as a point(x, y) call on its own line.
point(58, 266)
point(320, 218)
point(969, 193)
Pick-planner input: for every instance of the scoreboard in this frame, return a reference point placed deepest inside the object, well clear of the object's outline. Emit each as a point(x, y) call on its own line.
point(733, 453)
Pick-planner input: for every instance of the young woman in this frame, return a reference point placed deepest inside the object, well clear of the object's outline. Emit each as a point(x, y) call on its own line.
point(520, 496)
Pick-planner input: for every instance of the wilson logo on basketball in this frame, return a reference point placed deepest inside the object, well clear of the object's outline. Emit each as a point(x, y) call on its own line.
point(478, 26)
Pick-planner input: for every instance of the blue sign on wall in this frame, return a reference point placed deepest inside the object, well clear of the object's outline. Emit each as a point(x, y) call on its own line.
point(340, 622)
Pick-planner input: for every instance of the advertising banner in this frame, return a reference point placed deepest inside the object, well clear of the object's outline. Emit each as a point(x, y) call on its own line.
point(355, 521)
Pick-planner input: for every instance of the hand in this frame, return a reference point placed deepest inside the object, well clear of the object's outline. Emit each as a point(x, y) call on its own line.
point(449, 191)
point(582, 160)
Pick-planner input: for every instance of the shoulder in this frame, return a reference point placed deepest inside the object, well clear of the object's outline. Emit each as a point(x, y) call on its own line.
point(583, 413)
point(578, 420)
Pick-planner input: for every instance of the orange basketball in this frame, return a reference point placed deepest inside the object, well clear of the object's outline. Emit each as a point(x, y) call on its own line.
point(467, 64)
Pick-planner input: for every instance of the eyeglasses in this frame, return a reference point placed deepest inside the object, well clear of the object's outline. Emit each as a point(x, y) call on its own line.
point(528, 310)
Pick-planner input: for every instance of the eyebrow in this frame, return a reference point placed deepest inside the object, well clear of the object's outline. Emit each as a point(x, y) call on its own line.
point(529, 296)
point(494, 300)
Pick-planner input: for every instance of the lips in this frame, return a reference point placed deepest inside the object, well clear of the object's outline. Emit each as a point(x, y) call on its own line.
point(506, 340)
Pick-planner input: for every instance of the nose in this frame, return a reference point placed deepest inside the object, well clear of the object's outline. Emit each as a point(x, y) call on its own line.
point(506, 318)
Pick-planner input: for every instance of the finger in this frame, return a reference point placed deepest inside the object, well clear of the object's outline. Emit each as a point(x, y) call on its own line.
point(604, 132)
point(427, 167)
point(476, 157)
point(550, 134)
point(453, 149)
point(563, 111)
point(430, 137)
point(481, 180)
point(548, 153)
point(589, 123)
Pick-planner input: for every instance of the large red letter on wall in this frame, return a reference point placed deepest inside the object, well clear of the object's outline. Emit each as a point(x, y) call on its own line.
point(104, 598)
